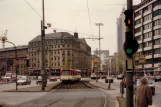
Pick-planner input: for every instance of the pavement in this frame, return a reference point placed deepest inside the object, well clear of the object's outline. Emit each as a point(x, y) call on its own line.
point(113, 92)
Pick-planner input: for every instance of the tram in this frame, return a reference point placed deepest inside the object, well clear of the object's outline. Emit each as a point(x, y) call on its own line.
point(70, 75)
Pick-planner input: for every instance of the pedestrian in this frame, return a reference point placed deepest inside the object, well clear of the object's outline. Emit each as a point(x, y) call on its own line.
point(143, 94)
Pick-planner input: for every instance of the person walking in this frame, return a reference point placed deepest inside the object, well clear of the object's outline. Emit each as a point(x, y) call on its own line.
point(143, 94)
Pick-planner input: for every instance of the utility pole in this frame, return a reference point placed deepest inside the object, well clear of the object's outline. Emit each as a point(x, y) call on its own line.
point(43, 47)
point(99, 24)
point(130, 48)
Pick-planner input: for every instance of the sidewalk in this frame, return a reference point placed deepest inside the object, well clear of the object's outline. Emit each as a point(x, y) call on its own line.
point(112, 93)
point(34, 88)
point(122, 101)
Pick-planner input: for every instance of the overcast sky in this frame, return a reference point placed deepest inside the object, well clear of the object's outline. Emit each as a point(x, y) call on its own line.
point(23, 23)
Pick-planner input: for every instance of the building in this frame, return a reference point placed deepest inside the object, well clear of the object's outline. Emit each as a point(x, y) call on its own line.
point(121, 29)
point(62, 50)
point(147, 30)
point(111, 65)
point(9, 54)
point(104, 54)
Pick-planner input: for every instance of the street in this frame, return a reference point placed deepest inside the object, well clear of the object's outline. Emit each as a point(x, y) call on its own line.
point(83, 97)
point(9, 86)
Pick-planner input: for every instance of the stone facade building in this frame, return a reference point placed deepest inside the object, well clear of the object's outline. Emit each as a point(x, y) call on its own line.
point(9, 53)
point(62, 50)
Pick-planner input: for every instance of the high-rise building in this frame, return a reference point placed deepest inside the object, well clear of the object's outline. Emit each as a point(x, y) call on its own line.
point(104, 54)
point(147, 30)
point(121, 29)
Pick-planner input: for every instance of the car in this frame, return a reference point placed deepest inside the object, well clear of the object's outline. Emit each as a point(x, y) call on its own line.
point(150, 84)
point(120, 76)
point(53, 78)
point(103, 76)
point(107, 79)
point(157, 78)
point(39, 80)
point(23, 81)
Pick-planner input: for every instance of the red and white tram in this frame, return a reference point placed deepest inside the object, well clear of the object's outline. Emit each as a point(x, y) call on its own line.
point(68, 75)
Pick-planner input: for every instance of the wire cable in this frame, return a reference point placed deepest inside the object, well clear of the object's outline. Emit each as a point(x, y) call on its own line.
point(46, 22)
point(33, 9)
point(89, 17)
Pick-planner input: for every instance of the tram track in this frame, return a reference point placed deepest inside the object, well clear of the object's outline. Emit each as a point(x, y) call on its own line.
point(64, 96)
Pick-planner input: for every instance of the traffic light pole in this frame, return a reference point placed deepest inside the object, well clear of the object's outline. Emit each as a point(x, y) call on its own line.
point(129, 72)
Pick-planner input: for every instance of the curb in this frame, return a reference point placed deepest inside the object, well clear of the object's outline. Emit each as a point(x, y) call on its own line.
point(120, 104)
point(118, 101)
point(32, 91)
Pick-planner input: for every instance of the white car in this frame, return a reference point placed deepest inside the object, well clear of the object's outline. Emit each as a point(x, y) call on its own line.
point(23, 81)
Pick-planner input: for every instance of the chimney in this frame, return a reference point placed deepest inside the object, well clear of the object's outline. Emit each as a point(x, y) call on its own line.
point(75, 34)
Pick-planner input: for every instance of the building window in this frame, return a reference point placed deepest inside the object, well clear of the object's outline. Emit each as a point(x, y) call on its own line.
point(147, 26)
point(138, 30)
point(157, 22)
point(147, 35)
point(147, 17)
point(157, 12)
point(138, 13)
point(137, 21)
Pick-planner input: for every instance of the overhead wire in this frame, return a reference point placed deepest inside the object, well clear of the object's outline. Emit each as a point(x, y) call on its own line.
point(46, 22)
point(89, 17)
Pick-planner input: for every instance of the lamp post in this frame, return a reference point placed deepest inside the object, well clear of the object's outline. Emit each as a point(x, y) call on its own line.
point(16, 66)
point(99, 24)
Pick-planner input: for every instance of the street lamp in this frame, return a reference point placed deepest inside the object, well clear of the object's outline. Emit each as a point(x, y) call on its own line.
point(99, 24)
point(16, 65)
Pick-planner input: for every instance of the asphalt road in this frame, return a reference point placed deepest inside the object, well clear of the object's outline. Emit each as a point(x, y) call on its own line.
point(13, 85)
point(57, 98)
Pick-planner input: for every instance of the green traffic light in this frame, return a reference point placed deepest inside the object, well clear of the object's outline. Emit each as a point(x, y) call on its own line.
point(129, 51)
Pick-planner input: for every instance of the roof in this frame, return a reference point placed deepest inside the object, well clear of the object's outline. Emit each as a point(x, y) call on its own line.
point(12, 48)
point(57, 35)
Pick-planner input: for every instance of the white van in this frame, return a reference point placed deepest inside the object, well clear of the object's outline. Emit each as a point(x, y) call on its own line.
point(9, 77)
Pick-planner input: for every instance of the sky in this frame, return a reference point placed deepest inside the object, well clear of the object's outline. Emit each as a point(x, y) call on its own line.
point(23, 24)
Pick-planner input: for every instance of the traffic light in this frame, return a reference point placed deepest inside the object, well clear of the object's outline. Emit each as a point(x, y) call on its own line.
point(128, 17)
point(27, 63)
point(130, 45)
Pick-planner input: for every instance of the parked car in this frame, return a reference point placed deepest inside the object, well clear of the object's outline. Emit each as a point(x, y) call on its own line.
point(103, 76)
point(157, 78)
point(23, 81)
point(39, 80)
point(53, 78)
point(109, 79)
point(120, 76)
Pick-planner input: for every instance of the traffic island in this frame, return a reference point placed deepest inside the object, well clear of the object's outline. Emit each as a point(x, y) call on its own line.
point(38, 88)
point(122, 101)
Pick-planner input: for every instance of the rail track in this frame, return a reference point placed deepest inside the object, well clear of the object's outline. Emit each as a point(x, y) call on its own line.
point(63, 94)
